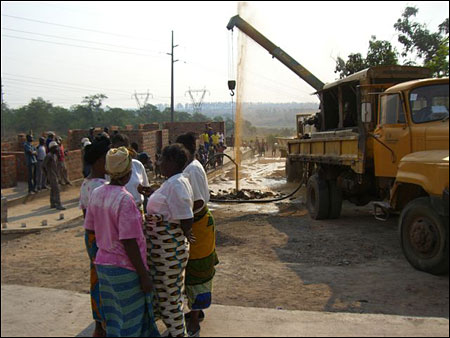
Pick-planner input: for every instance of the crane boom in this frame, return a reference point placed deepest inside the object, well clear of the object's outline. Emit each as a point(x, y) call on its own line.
point(275, 51)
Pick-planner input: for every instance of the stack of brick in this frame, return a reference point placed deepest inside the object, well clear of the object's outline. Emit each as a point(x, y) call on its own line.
point(74, 165)
point(9, 173)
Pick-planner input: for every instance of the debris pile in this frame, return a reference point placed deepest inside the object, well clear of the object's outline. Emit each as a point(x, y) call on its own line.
point(243, 194)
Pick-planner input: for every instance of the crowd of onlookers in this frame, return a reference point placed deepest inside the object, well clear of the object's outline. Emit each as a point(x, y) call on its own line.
point(211, 143)
point(46, 166)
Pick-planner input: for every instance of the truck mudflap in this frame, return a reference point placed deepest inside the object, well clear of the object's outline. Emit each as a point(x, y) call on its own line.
point(440, 203)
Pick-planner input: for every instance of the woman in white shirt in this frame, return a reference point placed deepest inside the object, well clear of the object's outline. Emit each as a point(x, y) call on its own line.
point(200, 269)
point(168, 227)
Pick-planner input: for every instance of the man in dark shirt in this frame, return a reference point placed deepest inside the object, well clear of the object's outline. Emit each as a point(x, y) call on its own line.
point(31, 161)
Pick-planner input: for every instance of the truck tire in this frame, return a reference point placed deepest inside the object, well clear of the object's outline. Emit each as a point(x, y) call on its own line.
point(424, 237)
point(335, 199)
point(317, 198)
point(294, 171)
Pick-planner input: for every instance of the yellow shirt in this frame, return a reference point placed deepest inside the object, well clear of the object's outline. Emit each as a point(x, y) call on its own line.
point(205, 137)
point(215, 139)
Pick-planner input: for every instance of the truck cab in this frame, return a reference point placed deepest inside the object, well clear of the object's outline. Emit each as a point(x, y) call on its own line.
point(412, 154)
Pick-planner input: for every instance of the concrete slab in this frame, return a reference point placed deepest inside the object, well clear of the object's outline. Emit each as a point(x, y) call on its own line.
point(34, 312)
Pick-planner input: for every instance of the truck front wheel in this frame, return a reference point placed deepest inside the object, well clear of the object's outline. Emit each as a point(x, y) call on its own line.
point(424, 237)
point(318, 198)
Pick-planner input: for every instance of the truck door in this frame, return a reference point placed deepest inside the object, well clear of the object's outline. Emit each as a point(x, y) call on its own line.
point(393, 136)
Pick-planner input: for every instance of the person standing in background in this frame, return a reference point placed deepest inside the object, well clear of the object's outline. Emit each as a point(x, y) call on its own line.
point(62, 170)
point(86, 166)
point(51, 171)
point(50, 138)
point(41, 180)
point(31, 162)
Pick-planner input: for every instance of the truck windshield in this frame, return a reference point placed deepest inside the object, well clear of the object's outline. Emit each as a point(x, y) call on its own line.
point(429, 103)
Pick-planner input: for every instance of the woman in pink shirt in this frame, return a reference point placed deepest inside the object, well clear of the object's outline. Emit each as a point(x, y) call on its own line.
point(125, 285)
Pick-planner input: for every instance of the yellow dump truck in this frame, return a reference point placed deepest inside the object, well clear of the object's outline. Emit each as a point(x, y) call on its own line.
point(382, 136)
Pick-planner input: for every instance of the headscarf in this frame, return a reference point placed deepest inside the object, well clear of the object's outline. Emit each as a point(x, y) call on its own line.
point(118, 162)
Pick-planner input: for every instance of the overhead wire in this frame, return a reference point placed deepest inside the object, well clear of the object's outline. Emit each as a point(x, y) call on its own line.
point(81, 40)
point(75, 27)
point(79, 46)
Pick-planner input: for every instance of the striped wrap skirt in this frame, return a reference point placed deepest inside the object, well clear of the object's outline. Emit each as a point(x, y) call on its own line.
point(128, 311)
point(167, 253)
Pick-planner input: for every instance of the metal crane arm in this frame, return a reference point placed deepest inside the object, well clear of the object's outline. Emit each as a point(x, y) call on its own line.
point(276, 52)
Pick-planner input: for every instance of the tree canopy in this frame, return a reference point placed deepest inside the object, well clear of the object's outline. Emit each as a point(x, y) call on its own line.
point(40, 116)
point(430, 48)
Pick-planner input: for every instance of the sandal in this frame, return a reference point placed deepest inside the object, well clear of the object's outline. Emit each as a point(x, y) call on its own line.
point(194, 334)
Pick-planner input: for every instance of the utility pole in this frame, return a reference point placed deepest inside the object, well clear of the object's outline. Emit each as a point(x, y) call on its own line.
point(172, 84)
point(2, 112)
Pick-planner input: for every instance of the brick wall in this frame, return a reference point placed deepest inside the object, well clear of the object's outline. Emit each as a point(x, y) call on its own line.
point(9, 173)
point(149, 126)
point(74, 165)
point(10, 146)
point(178, 128)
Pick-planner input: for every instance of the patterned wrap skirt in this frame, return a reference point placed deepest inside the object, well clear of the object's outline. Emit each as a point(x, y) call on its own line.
point(167, 255)
point(127, 309)
point(201, 269)
point(96, 302)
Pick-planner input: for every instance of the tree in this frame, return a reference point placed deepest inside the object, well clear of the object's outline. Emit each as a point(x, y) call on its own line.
point(354, 64)
point(380, 53)
point(34, 116)
point(418, 41)
point(92, 103)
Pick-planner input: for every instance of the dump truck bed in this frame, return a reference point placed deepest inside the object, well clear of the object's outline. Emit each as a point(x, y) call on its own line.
point(333, 148)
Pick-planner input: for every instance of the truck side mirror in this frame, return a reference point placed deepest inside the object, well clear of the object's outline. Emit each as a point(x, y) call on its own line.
point(366, 112)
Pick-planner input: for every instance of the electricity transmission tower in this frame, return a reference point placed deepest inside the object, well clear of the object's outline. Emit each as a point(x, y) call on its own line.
point(144, 96)
point(197, 96)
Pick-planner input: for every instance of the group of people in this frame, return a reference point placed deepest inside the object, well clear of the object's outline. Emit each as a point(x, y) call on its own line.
point(145, 259)
point(211, 143)
point(46, 166)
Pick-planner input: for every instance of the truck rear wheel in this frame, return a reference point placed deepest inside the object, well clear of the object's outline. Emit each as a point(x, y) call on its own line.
point(424, 237)
point(318, 198)
point(335, 199)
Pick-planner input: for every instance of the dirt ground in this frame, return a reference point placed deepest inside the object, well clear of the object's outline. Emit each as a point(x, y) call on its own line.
point(271, 255)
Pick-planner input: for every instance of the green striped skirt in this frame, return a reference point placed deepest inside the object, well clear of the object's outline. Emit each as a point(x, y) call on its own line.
point(128, 311)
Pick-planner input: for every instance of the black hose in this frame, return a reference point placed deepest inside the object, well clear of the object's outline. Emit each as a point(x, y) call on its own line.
point(260, 201)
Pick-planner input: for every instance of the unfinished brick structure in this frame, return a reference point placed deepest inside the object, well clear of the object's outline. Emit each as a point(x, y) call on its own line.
point(148, 137)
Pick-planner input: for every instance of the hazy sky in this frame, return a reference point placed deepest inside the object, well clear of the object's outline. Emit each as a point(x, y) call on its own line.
point(63, 51)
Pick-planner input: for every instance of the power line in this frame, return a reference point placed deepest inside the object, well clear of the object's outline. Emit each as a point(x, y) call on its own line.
point(68, 83)
point(53, 86)
point(80, 40)
point(68, 44)
point(73, 27)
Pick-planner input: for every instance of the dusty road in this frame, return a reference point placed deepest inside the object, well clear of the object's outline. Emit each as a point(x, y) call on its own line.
point(272, 255)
